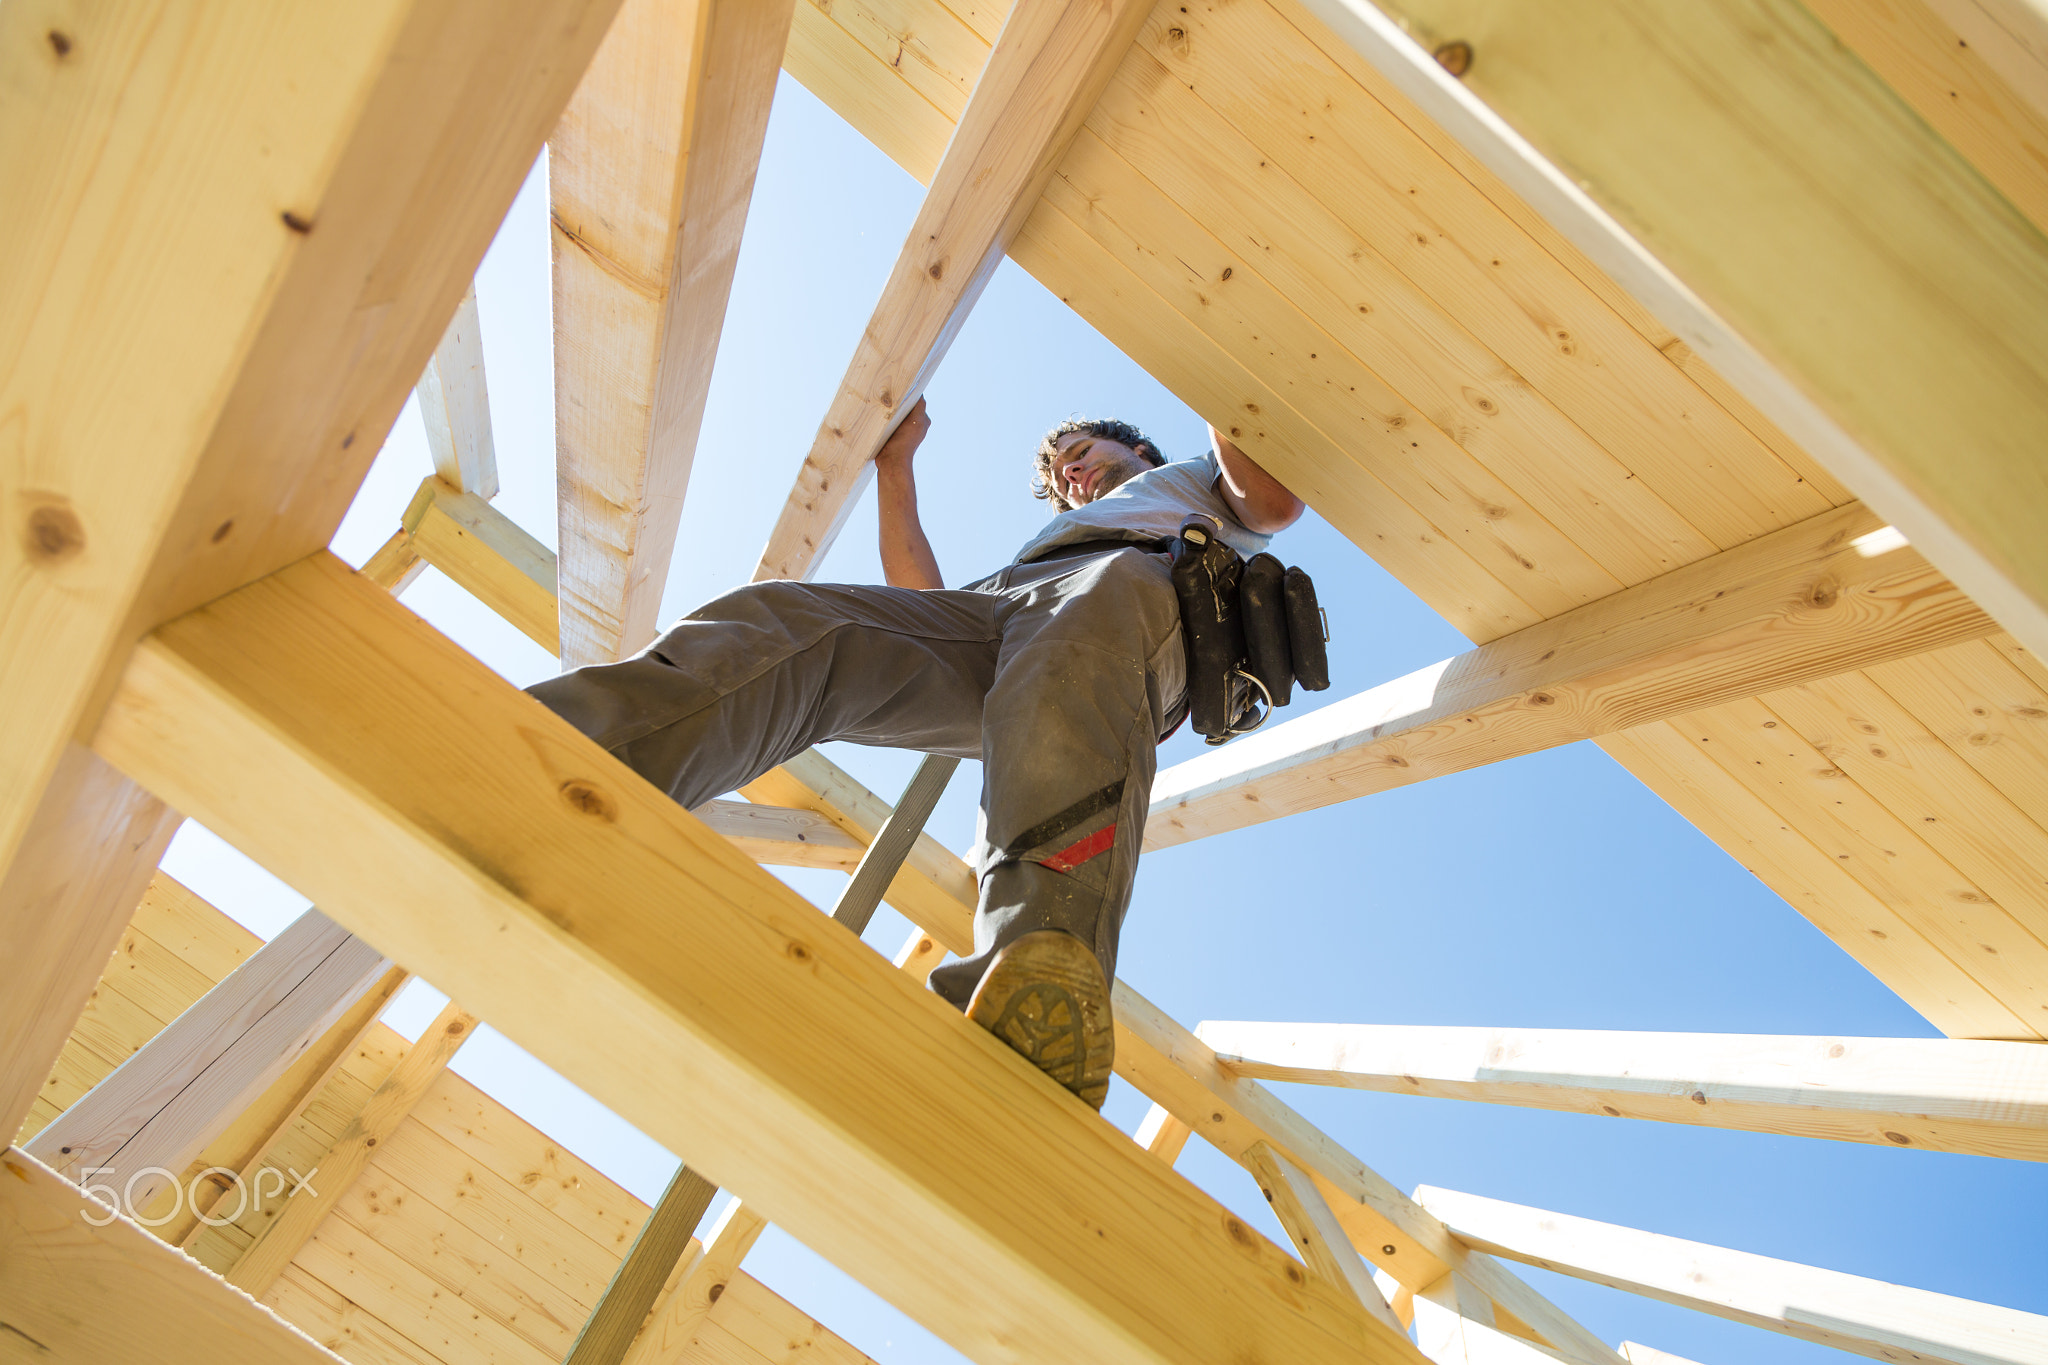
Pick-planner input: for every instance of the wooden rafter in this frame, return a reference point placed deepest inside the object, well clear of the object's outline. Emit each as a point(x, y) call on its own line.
point(650, 175)
point(1050, 63)
point(347, 746)
point(1862, 1316)
point(1835, 593)
point(136, 1130)
point(1939, 1095)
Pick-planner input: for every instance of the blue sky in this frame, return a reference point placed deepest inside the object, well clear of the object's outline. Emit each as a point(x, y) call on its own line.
point(1551, 891)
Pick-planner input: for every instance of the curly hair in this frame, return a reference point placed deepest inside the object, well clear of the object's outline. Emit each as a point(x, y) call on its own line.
point(1043, 484)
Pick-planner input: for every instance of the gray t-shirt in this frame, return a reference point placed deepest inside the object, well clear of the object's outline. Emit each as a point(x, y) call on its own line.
point(1151, 507)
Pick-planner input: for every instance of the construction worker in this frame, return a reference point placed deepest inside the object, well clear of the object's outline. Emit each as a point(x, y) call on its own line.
point(1061, 672)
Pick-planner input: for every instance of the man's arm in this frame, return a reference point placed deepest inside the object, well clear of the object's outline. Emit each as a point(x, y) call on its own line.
point(907, 558)
point(1260, 501)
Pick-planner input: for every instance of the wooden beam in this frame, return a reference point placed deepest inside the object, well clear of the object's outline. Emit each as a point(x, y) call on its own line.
point(665, 1242)
point(1864, 1317)
point(1744, 146)
point(344, 744)
point(455, 406)
point(1635, 1353)
point(239, 1150)
point(649, 177)
point(65, 898)
point(1048, 66)
point(286, 206)
point(698, 1283)
point(1323, 1243)
point(265, 1258)
point(488, 554)
point(783, 836)
point(1455, 1324)
point(1833, 593)
point(85, 1285)
point(1938, 1095)
point(138, 1129)
point(1163, 1134)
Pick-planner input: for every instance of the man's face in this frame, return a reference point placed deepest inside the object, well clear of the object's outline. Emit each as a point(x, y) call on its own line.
point(1089, 467)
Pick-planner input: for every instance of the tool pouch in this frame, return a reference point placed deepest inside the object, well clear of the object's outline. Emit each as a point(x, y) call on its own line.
point(1252, 631)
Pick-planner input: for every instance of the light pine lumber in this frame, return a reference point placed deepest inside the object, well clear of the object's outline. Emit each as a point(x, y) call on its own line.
point(239, 1149)
point(650, 173)
point(1327, 125)
point(1456, 1325)
point(455, 406)
point(302, 1212)
point(84, 1284)
point(65, 899)
point(1923, 49)
point(1988, 709)
point(138, 1129)
point(919, 954)
point(1879, 850)
point(1306, 1217)
point(1834, 593)
point(698, 1288)
point(1744, 144)
point(866, 91)
point(1939, 1095)
point(1163, 1134)
point(242, 230)
point(769, 1328)
point(1638, 1354)
point(1862, 1316)
point(1814, 883)
point(782, 835)
point(488, 554)
point(661, 950)
point(341, 1325)
point(1043, 75)
point(664, 1245)
point(396, 564)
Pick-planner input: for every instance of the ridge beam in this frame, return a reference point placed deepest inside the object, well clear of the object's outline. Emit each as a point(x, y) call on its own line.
point(1836, 592)
point(1048, 67)
point(1933, 1094)
point(344, 744)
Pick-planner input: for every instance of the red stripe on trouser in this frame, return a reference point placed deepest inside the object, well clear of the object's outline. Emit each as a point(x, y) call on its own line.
point(1074, 854)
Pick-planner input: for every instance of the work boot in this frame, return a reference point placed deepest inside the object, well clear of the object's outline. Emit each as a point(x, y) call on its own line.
point(1045, 996)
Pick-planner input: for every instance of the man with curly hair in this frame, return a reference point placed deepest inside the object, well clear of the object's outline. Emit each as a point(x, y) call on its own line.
point(1062, 672)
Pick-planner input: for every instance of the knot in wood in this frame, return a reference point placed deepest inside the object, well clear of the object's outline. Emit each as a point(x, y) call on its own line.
point(586, 798)
point(1454, 57)
point(54, 534)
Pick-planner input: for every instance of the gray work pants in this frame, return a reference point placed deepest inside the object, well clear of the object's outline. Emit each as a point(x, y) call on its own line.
point(1060, 676)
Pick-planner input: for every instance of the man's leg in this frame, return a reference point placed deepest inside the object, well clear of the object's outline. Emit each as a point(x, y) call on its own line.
point(754, 678)
point(1091, 668)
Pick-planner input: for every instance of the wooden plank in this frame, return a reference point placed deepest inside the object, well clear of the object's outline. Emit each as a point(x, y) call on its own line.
point(783, 836)
point(774, 1329)
point(304, 1208)
point(1989, 1099)
point(341, 1325)
point(698, 1288)
point(1163, 1134)
point(1743, 145)
point(396, 564)
point(1307, 1218)
point(488, 554)
point(866, 91)
point(235, 1157)
point(455, 405)
point(649, 177)
point(139, 1129)
point(89, 848)
point(1862, 1316)
point(1833, 593)
point(1638, 1354)
point(71, 1259)
point(1815, 884)
point(1456, 1325)
point(1929, 60)
point(661, 950)
point(1407, 196)
point(664, 1248)
point(1042, 77)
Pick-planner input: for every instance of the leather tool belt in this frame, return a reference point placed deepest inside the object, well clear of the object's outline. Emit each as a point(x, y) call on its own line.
point(1253, 629)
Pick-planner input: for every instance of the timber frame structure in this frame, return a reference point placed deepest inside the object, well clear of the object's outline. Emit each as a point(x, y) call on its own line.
point(1690, 357)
